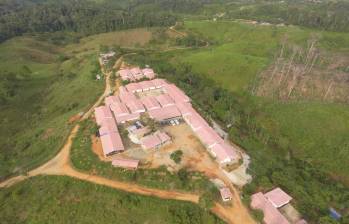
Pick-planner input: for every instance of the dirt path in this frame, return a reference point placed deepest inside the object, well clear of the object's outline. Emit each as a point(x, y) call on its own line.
point(61, 165)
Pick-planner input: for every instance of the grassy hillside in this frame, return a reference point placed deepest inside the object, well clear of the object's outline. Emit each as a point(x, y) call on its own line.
point(300, 145)
point(46, 93)
point(65, 200)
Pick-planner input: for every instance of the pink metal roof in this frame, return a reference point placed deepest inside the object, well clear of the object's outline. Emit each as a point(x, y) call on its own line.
point(126, 163)
point(111, 99)
point(107, 127)
point(126, 96)
point(185, 108)
point(147, 85)
point(165, 113)
point(195, 121)
point(102, 113)
point(133, 87)
point(208, 136)
point(165, 100)
point(176, 94)
point(136, 71)
point(278, 197)
point(163, 136)
point(271, 214)
point(119, 109)
point(135, 106)
point(225, 193)
point(150, 141)
point(159, 83)
point(149, 73)
point(129, 117)
point(150, 103)
point(125, 74)
point(111, 143)
point(224, 152)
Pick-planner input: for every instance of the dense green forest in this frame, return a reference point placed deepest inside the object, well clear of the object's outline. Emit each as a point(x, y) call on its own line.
point(90, 17)
point(80, 16)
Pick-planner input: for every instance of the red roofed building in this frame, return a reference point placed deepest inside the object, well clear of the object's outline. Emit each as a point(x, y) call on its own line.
point(185, 109)
point(126, 74)
point(112, 143)
point(195, 121)
point(155, 140)
point(271, 214)
point(225, 194)
point(147, 85)
point(108, 126)
point(102, 113)
point(119, 109)
point(165, 100)
point(126, 96)
point(136, 73)
point(135, 106)
point(111, 99)
point(128, 117)
point(159, 83)
point(176, 94)
point(150, 103)
point(126, 163)
point(134, 87)
point(148, 73)
point(165, 113)
point(208, 136)
point(224, 153)
point(278, 197)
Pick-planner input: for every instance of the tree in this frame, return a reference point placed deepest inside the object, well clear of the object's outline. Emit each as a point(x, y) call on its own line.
point(176, 156)
point(206, 201)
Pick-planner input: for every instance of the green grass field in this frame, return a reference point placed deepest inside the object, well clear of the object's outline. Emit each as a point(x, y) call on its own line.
point(238, 52)
point(47, 199)
point(301, 146)
point(35, 120)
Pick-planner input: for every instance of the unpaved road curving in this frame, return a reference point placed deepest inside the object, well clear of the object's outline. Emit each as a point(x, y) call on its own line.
point(61, 165)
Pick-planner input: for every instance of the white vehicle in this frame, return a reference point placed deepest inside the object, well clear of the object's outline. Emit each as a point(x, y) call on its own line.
point(177, 122)
point(172, 123)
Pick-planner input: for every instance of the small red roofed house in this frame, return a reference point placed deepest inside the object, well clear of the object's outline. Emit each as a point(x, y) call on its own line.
point(278, 197)
point(271, 214)
point(136, 73)
point(102, 113)
point(225, 194)
point(126, 74)
point(126, 163)
point(148, 73)
point(155, 140)
point(128, 117)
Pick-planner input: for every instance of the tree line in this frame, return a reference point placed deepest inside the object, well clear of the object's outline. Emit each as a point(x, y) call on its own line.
point(75, 16)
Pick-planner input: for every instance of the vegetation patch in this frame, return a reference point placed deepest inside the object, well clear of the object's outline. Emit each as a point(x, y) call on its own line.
point(59, 199)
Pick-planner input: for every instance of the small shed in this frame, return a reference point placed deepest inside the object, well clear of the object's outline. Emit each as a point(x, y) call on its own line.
point(225, 194)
